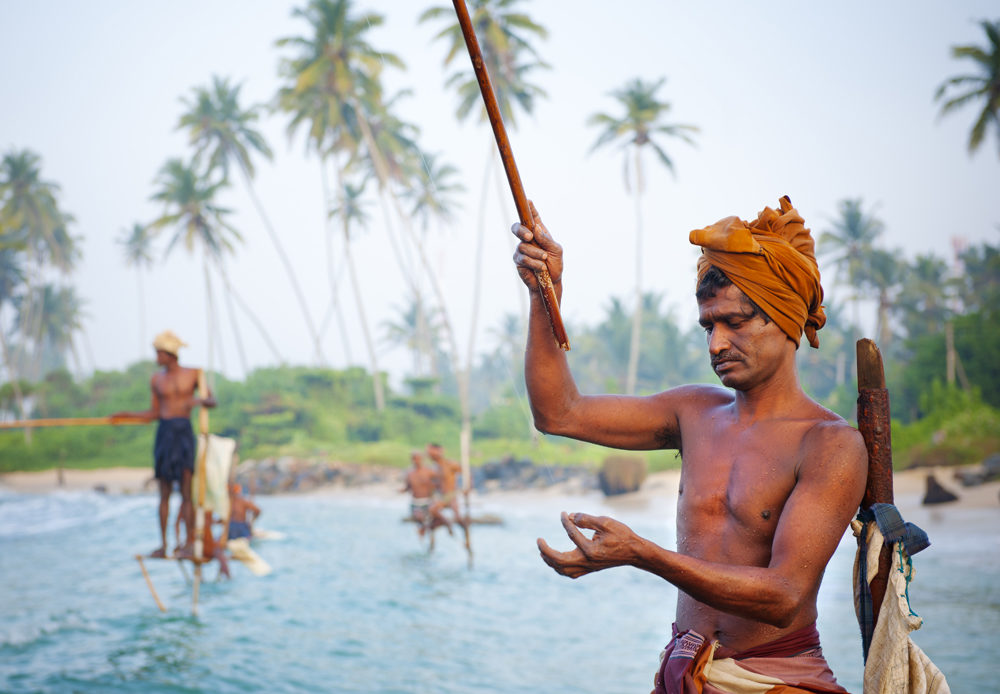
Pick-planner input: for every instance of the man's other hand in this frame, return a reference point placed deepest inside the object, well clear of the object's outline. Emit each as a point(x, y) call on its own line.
point(613, 544)
point(537, 251)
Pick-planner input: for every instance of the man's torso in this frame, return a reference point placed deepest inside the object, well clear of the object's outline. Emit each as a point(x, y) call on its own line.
point(175, 392)
point(421, 483)
point(735, 479)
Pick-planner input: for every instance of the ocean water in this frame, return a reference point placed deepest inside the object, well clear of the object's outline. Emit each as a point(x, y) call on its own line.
point(356, 603)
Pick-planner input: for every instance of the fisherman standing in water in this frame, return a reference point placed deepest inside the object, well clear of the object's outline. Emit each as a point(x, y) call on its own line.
point(420, 483)
point(769, 479)
point(173, 398)
point(447, 473)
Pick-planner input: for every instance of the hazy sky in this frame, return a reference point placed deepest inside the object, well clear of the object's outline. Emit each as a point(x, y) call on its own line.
point(820, 101)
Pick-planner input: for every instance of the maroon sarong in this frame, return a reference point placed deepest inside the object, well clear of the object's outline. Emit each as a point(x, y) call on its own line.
point(795, 659)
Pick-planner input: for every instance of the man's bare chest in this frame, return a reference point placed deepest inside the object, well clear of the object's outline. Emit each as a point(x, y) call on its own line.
point(740, 476)
point(170, 387)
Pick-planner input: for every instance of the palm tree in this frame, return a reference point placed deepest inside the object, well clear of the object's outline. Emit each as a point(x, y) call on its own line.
point(137, 243)
point(219, 126)
point(417, 330)
point(30, 217)
point(984, 85)
point(636, 129)
point(882, 274)
point(58, 313)
point(352, 214)
point(924, 295)
point(31, 220)
point(504, 34)
point(198, 222)
point(332, 69)
point(849, 245)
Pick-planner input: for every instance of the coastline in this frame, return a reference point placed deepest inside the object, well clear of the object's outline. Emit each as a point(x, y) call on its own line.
point(909, 486)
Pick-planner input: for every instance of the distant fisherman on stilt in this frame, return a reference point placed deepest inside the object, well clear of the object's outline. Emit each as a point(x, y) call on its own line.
point(173, 398)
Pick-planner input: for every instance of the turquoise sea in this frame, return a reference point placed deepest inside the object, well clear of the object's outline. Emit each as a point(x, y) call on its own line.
point(356, 604)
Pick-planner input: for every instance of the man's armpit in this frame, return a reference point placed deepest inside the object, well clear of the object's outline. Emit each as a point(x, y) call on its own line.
point(666, 437)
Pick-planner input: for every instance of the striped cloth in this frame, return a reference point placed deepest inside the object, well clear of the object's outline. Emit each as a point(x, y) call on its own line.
point(691, 664)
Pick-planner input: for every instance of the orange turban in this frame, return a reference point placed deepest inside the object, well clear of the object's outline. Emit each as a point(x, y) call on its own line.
point(772, 260)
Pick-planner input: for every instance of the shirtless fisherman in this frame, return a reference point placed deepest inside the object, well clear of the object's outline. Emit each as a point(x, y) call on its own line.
point(769, 480)
point(173, 398)
point(447, 473)
point(420, 482)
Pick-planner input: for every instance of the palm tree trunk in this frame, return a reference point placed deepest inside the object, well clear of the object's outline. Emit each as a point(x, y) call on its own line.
point(631, 375)
point(253, 319)
point(372, 355)
point(289, 270)
point(142, 313)
point(210, 320)
point(331, 269)
point(236, 330)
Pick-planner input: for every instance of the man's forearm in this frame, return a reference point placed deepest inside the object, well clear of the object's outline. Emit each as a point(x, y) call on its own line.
point(546, 372)
point(759, 593)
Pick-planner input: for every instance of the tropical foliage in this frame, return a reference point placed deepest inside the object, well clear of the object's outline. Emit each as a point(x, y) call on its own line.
point(982, 85)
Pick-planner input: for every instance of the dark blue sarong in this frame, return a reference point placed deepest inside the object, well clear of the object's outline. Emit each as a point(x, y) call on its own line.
point(173, 451)
point(238, 529)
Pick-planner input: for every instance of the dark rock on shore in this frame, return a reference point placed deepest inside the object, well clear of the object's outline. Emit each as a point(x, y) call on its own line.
point(510, 474)
point(987, 472)
point(621, 474)
point(936, 494)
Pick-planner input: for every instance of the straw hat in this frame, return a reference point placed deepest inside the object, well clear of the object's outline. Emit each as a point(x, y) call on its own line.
point(168, 342)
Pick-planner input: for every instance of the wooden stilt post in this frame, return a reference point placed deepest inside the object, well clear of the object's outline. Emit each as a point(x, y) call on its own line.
point(198, 498)
point(873, 423)
point(149, 583)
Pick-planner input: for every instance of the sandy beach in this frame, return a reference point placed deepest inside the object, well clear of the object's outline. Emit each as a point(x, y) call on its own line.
point(909, 486)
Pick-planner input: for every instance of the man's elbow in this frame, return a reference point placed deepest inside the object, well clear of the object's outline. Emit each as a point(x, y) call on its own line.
point(553, 426)
point(783, 608)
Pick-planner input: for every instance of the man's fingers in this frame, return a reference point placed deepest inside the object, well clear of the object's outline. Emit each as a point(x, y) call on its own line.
point(522, 232)
point(522, 259)
point(584, 520)
point(578, 538)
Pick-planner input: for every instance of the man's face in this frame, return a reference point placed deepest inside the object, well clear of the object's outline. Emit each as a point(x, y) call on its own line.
point(745, 349)
point(434, 452)
point(417, 460)
point(163, 358)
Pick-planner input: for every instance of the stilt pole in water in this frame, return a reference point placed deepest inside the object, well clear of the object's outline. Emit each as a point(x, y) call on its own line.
point(149, 583)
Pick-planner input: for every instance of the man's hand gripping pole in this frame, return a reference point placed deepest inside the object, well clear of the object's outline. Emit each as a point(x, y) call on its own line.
point(545, 286)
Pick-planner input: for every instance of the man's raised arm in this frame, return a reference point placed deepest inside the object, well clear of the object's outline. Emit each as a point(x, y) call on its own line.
point(637, 423)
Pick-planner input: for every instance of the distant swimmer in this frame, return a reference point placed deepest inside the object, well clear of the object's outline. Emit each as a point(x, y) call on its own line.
point(173, 398)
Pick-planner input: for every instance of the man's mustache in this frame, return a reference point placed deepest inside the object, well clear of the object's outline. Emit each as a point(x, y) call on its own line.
point(725, 356)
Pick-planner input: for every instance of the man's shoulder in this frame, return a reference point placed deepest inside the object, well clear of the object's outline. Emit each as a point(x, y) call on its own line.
point(697, 396)
point(832, 439)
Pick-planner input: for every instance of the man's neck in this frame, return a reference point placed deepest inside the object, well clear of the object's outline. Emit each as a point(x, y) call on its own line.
point(779, 396)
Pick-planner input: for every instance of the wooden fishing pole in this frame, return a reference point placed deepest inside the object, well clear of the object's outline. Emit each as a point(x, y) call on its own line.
point(198, 498)
point(873, 423)
point(71, 422)
point(545, 287)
